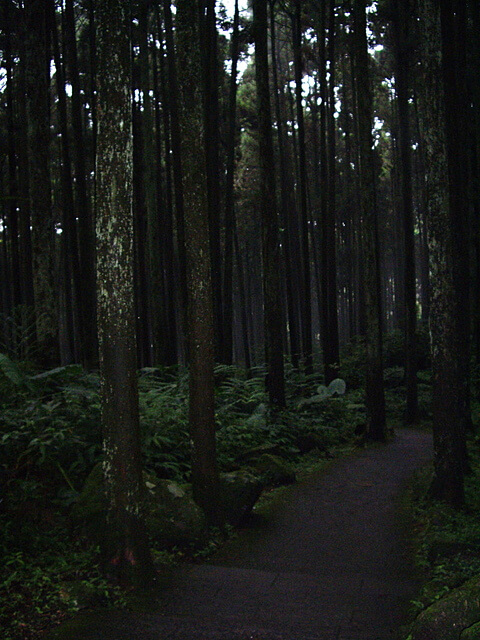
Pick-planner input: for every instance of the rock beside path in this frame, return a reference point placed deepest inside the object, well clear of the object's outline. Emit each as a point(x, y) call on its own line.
point(456, 616)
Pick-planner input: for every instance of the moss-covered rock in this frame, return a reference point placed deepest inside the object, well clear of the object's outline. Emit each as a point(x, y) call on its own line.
point(452, 617)
point(171, 514)
point(274, 470)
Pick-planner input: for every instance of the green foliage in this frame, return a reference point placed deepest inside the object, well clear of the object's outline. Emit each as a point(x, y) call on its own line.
point(447, 539)
point(42, 583)
point(50, 436)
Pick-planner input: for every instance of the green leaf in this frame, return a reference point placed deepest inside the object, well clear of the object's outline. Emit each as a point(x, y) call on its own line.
point(12, 371)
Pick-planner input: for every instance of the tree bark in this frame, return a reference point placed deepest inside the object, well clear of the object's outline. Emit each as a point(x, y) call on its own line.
point(375, 396)
point(230, 198)
point(401, 28)
point(307, 338)
point(83, 204)
point(270, 242)
point(43, 245)
point(128, 556)
point(446, 334)
point(197, 243)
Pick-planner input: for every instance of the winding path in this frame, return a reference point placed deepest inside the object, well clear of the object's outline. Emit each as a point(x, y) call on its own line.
point(331, 564)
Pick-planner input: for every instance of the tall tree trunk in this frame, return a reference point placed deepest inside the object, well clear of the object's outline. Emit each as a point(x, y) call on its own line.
point(84, 209)
point(304, 214)
point(155, 287)
point(199, 282)
point(128, 555)
point(212, 144)
point(402, 43)
point(270, 241)
point(331, 353)
point(287, 205)
point(230, 197)
point(176, 159)
point(375, 396)
point(25, 226)
point(13, 227)
point(445, 326)
point(43, 245)
point(164, 207)
point(69, 260)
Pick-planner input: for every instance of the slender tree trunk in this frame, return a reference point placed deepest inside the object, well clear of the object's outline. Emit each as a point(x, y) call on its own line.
point(286, 205)
point(128, 556)
point(375, 397)
point(69, 260)
point(331, 352)
point(230, 198)
point(26, 264)
point(176, 159)
point(212, 144)
point(84, 209)
point(156, 293)
point(402, 34)
point(304, 214)
point(43, 240)
point(270, 241)
point(13, 227)
point(144, 339)
point(165, 215)
point(199, 282)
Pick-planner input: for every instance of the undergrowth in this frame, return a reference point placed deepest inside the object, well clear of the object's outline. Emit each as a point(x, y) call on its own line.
point(50, 438)
point(447, 540)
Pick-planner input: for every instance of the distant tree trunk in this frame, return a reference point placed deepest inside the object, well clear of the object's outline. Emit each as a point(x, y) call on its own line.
point(13, 227)
point(270, 241)
point(176, 158)
point(331, 353)
point(401, 28)
point(43, 238)
point(128, 556)
point(26, 264)
point(144, 339)
point(287, 206)
point(445, 325)
point(155, 285)
point(230, 198)
point(375, 396)
point(199, 281)
point(212, 143)
point(165, 212)
point(69, 260)
point(84, 209)
point(304, 214)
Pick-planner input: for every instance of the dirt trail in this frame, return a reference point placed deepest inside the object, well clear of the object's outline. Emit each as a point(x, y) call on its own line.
point(331, 564)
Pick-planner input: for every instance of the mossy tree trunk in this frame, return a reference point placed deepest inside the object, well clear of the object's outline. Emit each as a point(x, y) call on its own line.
point(128, 556)
point(273, 311)
point(445, 324)
point(197, 246)
point(375, 396)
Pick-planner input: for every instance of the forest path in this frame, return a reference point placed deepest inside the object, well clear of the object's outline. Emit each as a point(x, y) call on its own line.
point(331, 562)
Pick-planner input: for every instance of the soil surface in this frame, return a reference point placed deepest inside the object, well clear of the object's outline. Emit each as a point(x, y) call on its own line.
point(329, 561)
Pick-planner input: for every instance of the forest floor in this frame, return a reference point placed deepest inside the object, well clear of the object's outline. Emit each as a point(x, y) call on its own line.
point(328, 559)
